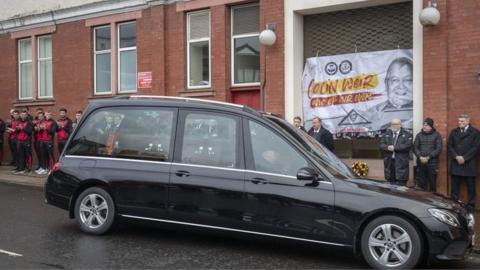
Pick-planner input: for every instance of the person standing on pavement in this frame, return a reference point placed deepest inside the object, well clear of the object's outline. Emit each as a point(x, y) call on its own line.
point(297, 122)
point(463, 145)
point(64, 129)
point(396, 144)
point(45, 130)
point(51, 128)
point(321, 134)
point(2, 131)
point(427, 149)
point(36, 134)
point(12, 136)
point(24, 141)
point(78, 116)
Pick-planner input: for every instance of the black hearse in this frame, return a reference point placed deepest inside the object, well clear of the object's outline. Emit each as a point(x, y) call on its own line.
point(221, 166)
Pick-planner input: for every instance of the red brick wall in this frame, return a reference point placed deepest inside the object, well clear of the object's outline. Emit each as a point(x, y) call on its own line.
point(161, 49)
point(151, 48)
point(8, 74)
point(220, 50)
point(272, 12)
point(451, 63)
point(72, 66)
point(8, 80)
point(435, 88)
point(175, 67)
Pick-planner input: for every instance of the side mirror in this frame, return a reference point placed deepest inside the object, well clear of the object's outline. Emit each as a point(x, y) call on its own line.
point(307, 174)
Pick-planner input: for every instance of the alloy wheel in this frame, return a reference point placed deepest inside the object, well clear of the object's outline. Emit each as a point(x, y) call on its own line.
point(93, 211)
point(390, 245)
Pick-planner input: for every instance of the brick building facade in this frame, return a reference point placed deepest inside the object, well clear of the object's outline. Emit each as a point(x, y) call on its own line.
point(446, 57)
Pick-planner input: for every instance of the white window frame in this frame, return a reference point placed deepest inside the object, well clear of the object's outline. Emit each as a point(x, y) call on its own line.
point(20, 62)
point(95, 53)
point(39, 60)
point(189, 41)
point(232, 46)
point(119, 51)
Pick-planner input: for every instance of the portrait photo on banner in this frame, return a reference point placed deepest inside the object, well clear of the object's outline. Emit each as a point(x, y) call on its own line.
point(359, 93)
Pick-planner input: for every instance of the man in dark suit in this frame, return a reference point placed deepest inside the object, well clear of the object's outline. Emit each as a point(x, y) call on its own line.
point(463, 144)
point(395, 145)
point(321, 134)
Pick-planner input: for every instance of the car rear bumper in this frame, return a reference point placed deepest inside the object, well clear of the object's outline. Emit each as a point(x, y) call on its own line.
point(54, 195)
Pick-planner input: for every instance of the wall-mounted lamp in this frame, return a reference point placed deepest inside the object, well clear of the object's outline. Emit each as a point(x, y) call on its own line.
point(267, 37)
point(430, 15)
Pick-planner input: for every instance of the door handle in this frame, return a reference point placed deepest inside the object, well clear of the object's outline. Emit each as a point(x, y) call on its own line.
point(258, 180)
point(182, 173)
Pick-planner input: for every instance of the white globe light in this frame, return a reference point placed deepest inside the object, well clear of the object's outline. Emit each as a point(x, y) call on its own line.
point(267, 37)
point(429, 16)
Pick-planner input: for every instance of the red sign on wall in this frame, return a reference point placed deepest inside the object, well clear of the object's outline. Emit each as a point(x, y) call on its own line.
point(144, 79)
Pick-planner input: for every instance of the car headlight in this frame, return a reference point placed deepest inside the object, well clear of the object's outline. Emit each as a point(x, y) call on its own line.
point(444, 216)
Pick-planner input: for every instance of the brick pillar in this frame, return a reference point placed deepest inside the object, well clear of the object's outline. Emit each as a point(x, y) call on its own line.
point(272, 58)
point(435, 86)
point(175, 56)
point(151, 48)
point(219, 36)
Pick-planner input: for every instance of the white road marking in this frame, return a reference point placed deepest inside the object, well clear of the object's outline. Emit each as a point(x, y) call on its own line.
point(9, 253)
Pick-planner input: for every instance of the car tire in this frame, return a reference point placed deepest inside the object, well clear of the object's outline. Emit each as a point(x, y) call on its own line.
point(95, 211)
point(391, 242)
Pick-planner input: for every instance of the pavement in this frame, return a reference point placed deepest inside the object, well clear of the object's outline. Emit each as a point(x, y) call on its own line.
point(27, 179)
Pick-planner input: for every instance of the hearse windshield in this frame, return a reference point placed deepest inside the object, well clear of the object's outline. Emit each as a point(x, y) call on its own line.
point(329, 161)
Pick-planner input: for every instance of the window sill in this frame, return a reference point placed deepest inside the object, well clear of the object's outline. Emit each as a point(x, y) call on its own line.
point(197, 93)
point(33, 102)
point(104, 96)
point(245, 88)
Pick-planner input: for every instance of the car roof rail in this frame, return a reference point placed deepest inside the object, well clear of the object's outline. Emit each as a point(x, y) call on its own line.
point(186, 99)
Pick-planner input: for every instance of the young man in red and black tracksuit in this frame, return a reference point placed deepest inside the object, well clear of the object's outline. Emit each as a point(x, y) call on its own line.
point(23, 132)
point(64, 129)
point(12, 135)
point(35, 134)
point(2, 130)
point(45, 129)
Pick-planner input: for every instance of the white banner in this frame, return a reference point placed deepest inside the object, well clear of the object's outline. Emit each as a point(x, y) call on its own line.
point(359, 93)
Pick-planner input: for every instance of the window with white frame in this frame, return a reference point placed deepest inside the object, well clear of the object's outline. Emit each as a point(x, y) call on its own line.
point(245, 45)
point(198, 49)
point(45, 79)
point(102, 60)
point(127, 57)
point(25, 69)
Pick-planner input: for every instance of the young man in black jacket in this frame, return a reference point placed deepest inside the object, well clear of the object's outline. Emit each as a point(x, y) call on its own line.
point(427, 148)
point(321, 134)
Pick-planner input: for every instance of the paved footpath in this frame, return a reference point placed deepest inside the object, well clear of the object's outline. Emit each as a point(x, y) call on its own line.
point(28, 179)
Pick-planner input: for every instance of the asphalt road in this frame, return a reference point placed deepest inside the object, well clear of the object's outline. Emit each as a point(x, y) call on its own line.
point(47, 239)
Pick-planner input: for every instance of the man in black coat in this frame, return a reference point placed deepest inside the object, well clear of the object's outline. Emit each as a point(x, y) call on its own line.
point(321, 134)
point(427, 148)
point(395, 145)
point(463, 144)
